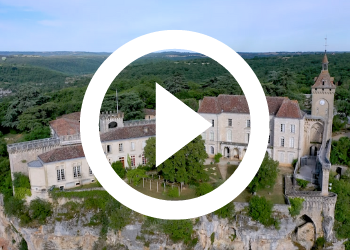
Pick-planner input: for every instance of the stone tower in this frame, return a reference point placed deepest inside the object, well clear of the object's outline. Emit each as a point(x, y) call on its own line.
point(110, 120)
point(323, 98)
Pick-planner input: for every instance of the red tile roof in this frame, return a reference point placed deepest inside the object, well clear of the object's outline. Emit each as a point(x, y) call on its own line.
point(290, 109)
point(235, 104)
point(129, 132)
point(61, 154)
point(67, 124)
point(324, 80)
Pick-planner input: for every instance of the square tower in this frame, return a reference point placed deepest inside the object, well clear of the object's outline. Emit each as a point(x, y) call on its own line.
point(323, 97)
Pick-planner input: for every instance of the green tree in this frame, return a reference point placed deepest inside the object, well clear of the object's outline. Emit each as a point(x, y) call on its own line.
point(40, 209)
point(296, 204)
point(340, 153)
point(217, 157)
point(37, 133)
point(266, 175)
point(119, 169)
point(260, 210)
point(203, 188)
point(132, 106)
point(136, 175)
point(178, 230)
point(226, 211)
point(150, 151)
point(25, 98)
point(186, 164)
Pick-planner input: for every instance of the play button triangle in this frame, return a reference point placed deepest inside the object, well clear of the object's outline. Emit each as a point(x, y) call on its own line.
point(177, 124)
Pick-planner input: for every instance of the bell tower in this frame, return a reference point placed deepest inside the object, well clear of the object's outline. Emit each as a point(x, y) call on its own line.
point(323, 97)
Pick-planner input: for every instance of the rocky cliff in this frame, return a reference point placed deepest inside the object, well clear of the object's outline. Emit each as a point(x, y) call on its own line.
point(242, 233)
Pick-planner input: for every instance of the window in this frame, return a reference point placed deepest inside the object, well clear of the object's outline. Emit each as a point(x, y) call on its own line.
point(269, 139)
point(211, 135)
point(63, 177)
point(291, 142)
point(76, 171)
point(133, 163)
point(60, 174)
point(248, 123)
point(120, 147)
point(121, 159)
point(247, 137)
point(283, 127)
point(292, 128)
point(133, 146)
point(204, 136)
point(229, 135)
point(108, 148)
point(212, 123)
point(212, 150)
point(144, 160)
point(282, 141)
point(90, 171)
point(230, 122)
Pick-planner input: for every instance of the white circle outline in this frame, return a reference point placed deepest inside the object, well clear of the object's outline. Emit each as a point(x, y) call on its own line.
point(162, 40)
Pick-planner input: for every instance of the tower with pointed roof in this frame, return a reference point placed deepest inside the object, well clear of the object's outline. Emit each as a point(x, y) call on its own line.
point(323, 97)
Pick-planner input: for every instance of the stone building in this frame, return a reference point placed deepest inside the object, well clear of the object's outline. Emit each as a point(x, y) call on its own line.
point(60, 161)
point(293, 133)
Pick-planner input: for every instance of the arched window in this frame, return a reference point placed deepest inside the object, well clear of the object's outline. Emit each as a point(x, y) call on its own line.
point(212, 150)
point(229, 135)
point(112, 125)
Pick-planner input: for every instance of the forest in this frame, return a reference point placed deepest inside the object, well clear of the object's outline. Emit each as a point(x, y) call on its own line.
point(41, 94)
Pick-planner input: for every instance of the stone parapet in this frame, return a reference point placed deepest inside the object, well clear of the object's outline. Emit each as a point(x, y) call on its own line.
point(32, 145)
point(139, 122)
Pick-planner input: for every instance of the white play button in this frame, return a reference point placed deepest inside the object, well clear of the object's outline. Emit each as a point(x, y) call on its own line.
point(177, 124)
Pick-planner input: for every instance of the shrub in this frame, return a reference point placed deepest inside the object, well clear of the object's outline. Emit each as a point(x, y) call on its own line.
point(217, 157)
point(178, 230)
point(23, 245)
point(260, 210)
point(226, 211)
point(119, 169)
point(173, 192)
point(296, 204)
point(212, 238)
point(347, 244)
point(14, 206)
point(302, 183)
point(40, 210)
point(320, 241)
point(21, 193)
point(203, 189)
point(21, 181)
point(136, 175)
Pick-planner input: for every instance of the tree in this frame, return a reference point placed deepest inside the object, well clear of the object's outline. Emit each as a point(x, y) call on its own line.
point(340, 153)
point(186, 164)
point(203, 188)
point(25, 98)
point(176, 83)
point(226, 211)
point(178, 230)
point(136, 175)
point(266, 175)
point(260, 210)
point(119, 169)
point(40, 209)
point(150, 151)
point(132, 106)
point(296, 204)
point(217, 157)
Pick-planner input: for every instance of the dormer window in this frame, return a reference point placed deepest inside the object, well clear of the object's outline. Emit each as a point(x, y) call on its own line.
point(323, 82)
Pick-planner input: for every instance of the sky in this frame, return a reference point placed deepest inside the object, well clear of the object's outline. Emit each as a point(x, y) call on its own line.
point(104, 26)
